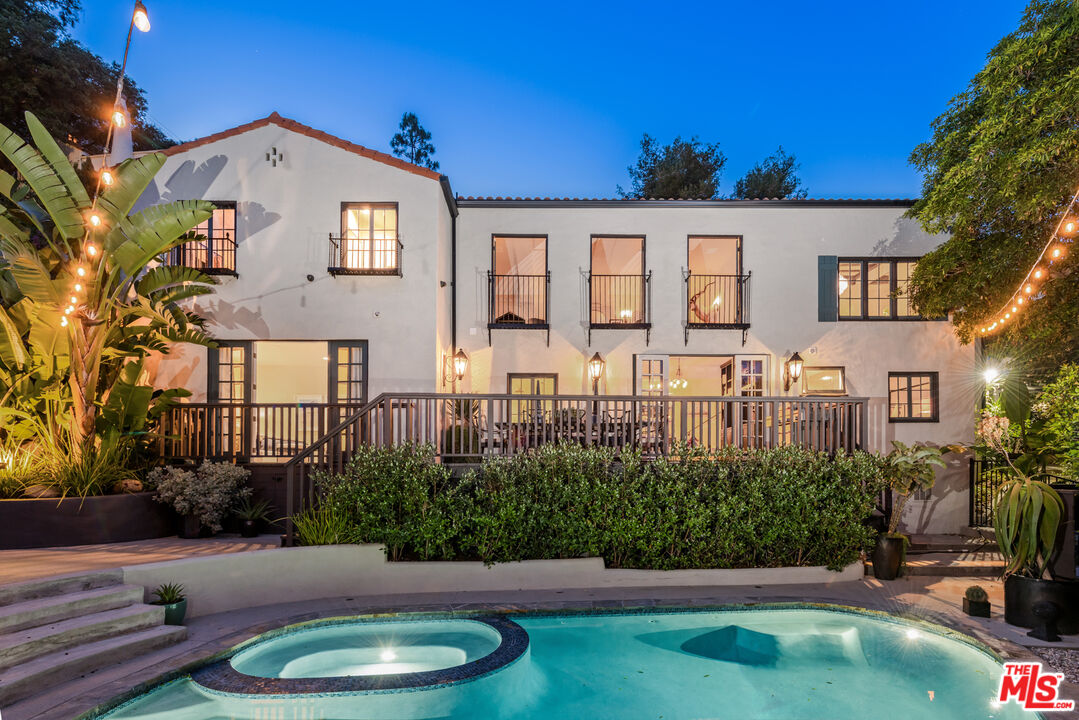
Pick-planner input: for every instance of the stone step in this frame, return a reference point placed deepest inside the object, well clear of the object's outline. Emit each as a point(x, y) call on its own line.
point(965, 564)
point(42, 611)
point(50, 587)
point(48, 671)
point(24, 645)
point(958, 547)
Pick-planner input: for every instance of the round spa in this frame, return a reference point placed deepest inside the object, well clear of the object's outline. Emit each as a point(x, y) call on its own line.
point(381, 648)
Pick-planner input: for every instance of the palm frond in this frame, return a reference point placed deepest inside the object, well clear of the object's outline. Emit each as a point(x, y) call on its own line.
point(57, 161)
point(164, 277)
point(137, 239)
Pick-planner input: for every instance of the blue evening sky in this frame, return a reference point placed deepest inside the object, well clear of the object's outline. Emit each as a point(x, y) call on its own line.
point(552, 99)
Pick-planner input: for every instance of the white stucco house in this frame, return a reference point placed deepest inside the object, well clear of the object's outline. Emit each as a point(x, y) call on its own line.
point(347, 274)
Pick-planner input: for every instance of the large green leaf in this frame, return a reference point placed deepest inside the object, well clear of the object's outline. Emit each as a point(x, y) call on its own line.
point(167, 277)
point(12, 350)
point(49, 188)
point(1015, 399)
point(48, 337)
point(132, 178)
point(30, 273)
point(137, 239)
point(128, 403)
point(57, 161)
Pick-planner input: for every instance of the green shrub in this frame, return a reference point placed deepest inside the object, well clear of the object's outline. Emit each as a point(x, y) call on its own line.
point(740, 508)
point(324, 525)
point(211, 491)
point(1058, 404)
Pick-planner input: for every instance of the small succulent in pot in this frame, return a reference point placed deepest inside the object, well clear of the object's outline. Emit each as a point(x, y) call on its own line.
point(171, 595)
point(976, 601)
point(252, 516)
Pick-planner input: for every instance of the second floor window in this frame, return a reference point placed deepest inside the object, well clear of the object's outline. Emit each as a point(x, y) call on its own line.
point(716, 290)
point(518, 284)
point(617, 284)
point(369, 242)
point(875, 289)
point(214, 251)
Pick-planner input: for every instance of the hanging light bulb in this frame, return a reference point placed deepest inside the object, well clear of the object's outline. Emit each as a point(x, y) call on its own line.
point(63, 322)
point(1056, 252)
point(68, 310)
point(106, 177)
point(95, 219)
point(91, 249)
point(118, 118)
point(74, 299)
point(140, 19)
point(1019, 301)
point(1069, 227)
point(1038, 273)
point(78, 287)
point(1028, 289)
point(80, 271)
point(1015, 308)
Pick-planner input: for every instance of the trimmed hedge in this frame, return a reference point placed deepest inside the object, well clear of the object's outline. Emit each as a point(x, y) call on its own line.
point(743, 508)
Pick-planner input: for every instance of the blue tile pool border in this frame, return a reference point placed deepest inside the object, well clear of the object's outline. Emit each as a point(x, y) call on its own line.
point(222, 678)
point(185, 672)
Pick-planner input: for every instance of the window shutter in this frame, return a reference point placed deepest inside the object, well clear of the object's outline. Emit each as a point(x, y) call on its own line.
point(827, 288)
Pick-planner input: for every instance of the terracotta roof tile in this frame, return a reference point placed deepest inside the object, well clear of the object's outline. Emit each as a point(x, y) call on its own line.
point(297, 127)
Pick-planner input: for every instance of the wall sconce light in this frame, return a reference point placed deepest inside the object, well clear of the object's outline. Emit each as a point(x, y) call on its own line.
point(460, 364)
point(454, 367)
point(595, 371)
point(792, 370)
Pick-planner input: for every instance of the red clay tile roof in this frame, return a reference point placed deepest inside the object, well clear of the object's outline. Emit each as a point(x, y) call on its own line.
point(275, 119)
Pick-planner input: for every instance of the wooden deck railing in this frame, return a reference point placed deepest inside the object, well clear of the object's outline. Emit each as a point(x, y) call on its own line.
point(468, 428)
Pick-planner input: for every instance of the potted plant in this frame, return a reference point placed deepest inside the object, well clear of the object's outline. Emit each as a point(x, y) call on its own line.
point(202, 497)
point(907, 468)
point(976, 601)
point(252, 516)
point(171, 596)
point(1027, 511)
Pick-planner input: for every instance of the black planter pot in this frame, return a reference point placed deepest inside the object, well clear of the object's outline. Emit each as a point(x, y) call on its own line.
point(976, 608)
point(1022, 593)
point(887, 557)
point(249, 528)
point(189, 526)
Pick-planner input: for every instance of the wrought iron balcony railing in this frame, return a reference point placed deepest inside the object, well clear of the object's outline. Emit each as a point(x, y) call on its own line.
point(364, 256)
point(518, 300)
point(211, 255)
point(619, 302)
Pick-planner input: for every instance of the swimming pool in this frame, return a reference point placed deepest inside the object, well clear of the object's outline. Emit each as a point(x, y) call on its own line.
point(745, 662)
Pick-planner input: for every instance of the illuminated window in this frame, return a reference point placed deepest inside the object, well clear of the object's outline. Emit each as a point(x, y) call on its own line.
point(873, 289)
point(214, 249)
point(824, 381)
point(617, 284)
point(518, 283)
point(912, 397)
point(369, 243)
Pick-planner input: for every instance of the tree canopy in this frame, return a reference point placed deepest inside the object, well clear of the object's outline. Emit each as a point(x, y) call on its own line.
point(775, 177)
point(413, 143)
point(1000, 168)
point(686, 169)
point(67, 86)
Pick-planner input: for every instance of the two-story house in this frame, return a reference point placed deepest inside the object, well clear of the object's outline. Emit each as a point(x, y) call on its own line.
point(346, 274)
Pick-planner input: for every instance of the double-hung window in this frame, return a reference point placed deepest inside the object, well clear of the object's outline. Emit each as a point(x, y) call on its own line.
point(876, 289)
point(617, 285)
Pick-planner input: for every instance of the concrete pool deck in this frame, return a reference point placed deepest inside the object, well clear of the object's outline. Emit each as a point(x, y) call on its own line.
point(932, 599)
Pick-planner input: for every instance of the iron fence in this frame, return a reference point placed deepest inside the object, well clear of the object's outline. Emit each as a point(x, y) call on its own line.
point(985, 480)
point(518, 299)
point(717, 300)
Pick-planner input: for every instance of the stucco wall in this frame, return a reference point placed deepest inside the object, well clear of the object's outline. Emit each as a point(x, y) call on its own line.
point(780, 248)
point(237, 580)
point(284, 217)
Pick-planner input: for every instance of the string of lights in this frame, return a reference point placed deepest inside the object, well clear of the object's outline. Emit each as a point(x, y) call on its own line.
point(82, 268)
point(1066, 229)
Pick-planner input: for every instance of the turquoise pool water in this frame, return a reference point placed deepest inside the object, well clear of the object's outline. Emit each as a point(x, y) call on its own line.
point(782, 664)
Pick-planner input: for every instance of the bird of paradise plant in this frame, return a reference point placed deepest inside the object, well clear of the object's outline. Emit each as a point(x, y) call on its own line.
point(83, 294)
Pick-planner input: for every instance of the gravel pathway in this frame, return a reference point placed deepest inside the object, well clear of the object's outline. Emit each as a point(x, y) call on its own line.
point(1062, 660)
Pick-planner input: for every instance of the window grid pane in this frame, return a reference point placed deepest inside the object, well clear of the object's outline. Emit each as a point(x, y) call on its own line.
point(912, 396)
point(878, 290)
point(903, 271)
point(350, 387)
point(850, 289)
point(369, 238)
